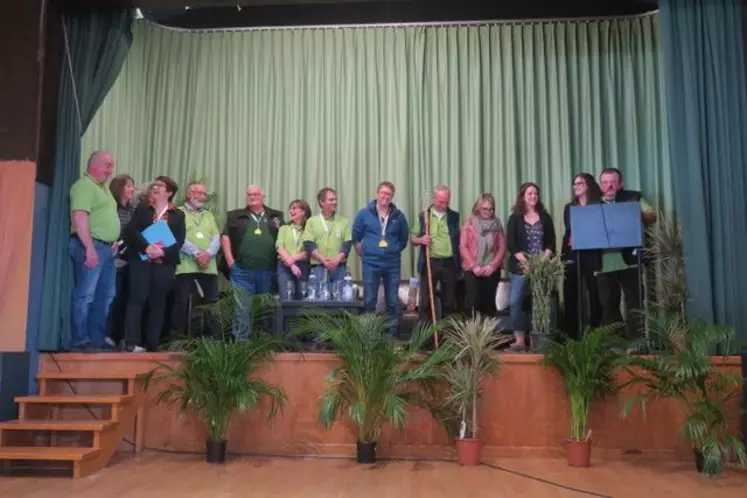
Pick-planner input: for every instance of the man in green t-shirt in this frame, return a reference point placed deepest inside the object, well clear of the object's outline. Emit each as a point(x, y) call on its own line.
point(93, 233)
point(619, 270)
point(197, 272)
point(327, 239)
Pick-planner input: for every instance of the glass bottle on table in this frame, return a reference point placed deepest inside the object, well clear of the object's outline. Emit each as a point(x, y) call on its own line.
point(347, 287)
point(312, 287)
point(290, 290)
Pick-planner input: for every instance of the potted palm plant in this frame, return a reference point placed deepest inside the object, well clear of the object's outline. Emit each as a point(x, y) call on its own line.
point(544, 274)
point(378, 377)
point(588, 367)
point(216, 377)
point(683, 369)
point(685, 372)
point(474, 341)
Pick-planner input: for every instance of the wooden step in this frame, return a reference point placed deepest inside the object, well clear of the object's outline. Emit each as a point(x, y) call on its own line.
point(81, 399)
point(57, 425)
point(90, 375)
point(70, 454)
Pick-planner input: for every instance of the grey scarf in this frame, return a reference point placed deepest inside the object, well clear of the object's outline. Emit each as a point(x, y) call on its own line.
point(486, 230)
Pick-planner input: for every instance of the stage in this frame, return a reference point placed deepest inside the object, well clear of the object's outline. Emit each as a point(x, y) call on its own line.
point(525, 414)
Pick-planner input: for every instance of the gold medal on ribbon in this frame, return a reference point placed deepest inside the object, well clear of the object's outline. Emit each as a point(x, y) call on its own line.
point(383, 243)
point(257, 232)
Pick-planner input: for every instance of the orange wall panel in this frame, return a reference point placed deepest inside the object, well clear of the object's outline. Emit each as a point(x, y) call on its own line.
point(17, 182)
point(525, 413)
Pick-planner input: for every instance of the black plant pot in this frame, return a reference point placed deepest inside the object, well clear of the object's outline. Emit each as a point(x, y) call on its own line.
point(366, 452)
point(216, 451)
point(698, 461)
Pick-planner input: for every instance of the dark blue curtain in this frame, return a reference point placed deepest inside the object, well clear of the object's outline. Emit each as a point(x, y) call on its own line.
point(98, 43)
point(707, 113)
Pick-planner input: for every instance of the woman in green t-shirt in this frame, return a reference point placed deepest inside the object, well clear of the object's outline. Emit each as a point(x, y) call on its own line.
point(293, 261)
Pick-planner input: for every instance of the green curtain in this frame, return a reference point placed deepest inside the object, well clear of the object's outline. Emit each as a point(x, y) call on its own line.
point(480, 108)
point(98, 43)
point(707, 111)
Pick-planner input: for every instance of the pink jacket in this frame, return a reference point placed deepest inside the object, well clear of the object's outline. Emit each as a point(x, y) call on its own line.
point(468, 245)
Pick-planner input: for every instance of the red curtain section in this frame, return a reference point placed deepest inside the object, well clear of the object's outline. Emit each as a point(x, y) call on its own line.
point(16, 225)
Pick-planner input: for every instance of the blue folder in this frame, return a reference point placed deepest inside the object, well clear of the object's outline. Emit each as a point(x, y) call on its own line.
point(158, 232)
point(607, 226)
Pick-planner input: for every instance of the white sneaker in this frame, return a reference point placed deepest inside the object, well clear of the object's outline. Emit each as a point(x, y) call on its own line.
point(137, 349)
point(110, 342)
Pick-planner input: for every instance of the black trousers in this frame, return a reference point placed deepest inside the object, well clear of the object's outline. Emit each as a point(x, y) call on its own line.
point(480, 293)
point(445, 279)
point(589, 300)
point(119, 306)
point(612, 286)
point(150, 283)
point(186, 285)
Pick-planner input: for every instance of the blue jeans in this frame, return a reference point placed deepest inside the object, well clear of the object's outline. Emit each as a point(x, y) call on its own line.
point(249, 282)
point(518, 318)
point(338, 275)
point(93, 294)
point(285, 276)
point(371, 278)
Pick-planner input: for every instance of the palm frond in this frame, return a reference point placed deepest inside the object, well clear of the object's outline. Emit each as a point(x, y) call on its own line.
point(588, 367)
point(470, 344)
point(544, 275)
point(379, 378)
point(216, 379)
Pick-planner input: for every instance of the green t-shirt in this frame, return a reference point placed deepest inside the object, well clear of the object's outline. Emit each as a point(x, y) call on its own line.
point(257, 249)
point(95, 199)
point(200, 231)
point(612, 259)
point(328, 234)
point(439, 232)
point(290, 238)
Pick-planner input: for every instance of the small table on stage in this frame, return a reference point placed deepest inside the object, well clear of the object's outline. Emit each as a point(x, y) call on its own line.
point(289, 309)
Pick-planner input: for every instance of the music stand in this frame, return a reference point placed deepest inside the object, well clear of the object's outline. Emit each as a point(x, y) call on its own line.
point(598, 227)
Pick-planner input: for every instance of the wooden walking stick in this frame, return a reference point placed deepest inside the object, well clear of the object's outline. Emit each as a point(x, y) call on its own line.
point(429, 272)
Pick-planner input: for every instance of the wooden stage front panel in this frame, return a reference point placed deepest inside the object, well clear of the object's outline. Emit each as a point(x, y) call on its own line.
point(525, 413)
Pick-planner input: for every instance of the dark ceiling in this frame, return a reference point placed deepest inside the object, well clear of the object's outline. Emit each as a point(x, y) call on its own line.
point(205, 14)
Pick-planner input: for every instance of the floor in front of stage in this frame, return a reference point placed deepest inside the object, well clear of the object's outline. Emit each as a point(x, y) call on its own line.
point(164, 475)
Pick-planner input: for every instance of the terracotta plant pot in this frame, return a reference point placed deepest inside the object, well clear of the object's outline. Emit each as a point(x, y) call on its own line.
point(468, 451)
point(578, 453)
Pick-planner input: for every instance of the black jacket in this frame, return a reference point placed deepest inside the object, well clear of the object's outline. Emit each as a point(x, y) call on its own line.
point(142, 218)
point(236, 223)
point(516, 238)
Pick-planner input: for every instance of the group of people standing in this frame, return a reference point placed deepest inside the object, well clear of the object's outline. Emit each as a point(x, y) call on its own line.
point(117, 269)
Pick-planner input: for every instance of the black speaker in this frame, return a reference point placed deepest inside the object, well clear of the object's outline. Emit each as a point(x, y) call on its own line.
point(14, 381)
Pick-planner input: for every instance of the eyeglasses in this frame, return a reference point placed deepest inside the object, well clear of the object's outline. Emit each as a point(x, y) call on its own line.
point(578, 184)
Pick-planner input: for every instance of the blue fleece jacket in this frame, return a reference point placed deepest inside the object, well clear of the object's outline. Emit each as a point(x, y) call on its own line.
point(367, 231)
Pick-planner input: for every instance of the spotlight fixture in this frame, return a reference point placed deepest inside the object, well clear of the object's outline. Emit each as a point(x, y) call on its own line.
point(238, 7)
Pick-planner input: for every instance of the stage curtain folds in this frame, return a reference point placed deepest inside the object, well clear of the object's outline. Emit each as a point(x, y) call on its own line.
point(98, 44)
point(479, 108)
point(707, 112)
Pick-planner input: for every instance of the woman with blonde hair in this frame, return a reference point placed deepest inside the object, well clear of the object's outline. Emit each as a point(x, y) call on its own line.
point(293, 259)
point(482, 247)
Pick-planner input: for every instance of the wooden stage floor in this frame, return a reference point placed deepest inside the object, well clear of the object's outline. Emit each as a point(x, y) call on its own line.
point(166, 475)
